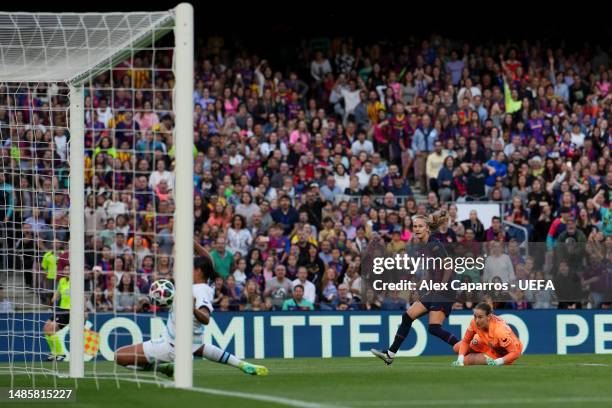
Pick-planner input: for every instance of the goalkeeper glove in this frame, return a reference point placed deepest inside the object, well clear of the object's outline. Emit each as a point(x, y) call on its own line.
point(458, 362)
point(494, 362)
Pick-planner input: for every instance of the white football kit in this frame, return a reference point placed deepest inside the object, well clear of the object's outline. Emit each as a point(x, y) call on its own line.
point(161, 349)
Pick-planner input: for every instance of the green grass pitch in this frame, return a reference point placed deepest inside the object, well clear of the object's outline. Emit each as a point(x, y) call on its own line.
point(534, 381)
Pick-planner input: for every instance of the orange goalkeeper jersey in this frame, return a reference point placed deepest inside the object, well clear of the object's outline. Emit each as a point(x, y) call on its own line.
point(499, 339)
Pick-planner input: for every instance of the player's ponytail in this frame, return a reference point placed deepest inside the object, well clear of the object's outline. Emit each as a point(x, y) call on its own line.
point(437, 220)
point(485, 307)
point(433, 221)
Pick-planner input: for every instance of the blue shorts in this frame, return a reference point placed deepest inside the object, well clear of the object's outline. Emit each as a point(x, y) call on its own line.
point(435, 302)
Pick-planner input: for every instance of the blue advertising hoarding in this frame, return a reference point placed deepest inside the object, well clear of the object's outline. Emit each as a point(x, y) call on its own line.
point(320, 334)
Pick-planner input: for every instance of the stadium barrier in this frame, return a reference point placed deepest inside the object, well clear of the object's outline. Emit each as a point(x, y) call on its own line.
point(323, 334)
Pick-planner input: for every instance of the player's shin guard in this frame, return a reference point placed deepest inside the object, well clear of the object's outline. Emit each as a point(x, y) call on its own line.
point(402, 333)
point(438, 331)
point(214, 353)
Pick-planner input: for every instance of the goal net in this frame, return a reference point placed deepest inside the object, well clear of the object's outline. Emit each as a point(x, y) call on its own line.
point(96, 134)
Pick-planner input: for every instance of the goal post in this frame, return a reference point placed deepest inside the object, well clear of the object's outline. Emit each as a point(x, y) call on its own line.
point(184, 188)
point(69, 50)
point(77, 231)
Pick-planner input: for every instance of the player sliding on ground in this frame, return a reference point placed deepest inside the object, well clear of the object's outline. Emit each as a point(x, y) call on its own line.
point(435, 303)
point(158, 354)
point(488, 341)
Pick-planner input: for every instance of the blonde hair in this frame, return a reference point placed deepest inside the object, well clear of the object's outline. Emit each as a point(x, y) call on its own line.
point(433, 221)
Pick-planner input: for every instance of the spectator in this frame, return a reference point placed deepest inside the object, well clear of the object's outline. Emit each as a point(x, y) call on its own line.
point(541, 299)
point(278, 289)
point(498, 264)
point(394, 302)
point(251, 289)
point(362, 145)
point(330, 191)
point(342, 179)
point(119, 247)
point(320, 67)
point(372, 301)
point(444, 180)
point(220, 291)
point(476, 182)
point(239, 274)
point(247, 208)
point(254, 304)
point(605, 213)
point(495, 168)
point(365, 174)
point(344, 300)
point(127, 295)
point(107, 235)
point(558, 225)
point(238, 236)
point(159, 174)
point(495, 232)
point(232, 293)
point(568, 287)
point(309, 289)
point(455, 67)
point(353, 281)
point(286, 215)
point(422, 144)
point(434, 163)
point(400, 187)
point(328, 291)
point(571, 235)
point(164, 268)
point(474, 224)
point(222, 258)
point(297, 301)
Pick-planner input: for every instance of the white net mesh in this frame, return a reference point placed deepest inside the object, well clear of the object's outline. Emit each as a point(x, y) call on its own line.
point(34, 209)
point(126, 69)
point(68, 47)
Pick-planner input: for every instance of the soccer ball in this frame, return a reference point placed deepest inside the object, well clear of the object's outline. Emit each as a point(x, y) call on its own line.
point(161, 292)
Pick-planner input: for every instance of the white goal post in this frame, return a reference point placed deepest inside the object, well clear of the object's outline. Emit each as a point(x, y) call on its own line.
point(184, 188)
point(72, 48)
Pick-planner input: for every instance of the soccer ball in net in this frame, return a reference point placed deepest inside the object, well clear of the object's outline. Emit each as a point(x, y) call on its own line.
point(161, 292)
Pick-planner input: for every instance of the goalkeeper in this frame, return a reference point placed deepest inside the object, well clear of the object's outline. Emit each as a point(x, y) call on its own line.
point(488, 341)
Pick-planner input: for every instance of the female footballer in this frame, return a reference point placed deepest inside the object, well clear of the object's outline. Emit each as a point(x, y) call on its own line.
point(488, 341)
point(437, 304)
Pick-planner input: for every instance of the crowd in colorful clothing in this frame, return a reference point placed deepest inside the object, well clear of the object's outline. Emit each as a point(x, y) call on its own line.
point(298, 167)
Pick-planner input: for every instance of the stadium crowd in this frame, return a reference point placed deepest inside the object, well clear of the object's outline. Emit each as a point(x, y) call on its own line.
point(298, 167)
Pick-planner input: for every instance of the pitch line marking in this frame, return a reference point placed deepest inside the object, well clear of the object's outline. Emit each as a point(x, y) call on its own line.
point(454, 402)
point(235, 394)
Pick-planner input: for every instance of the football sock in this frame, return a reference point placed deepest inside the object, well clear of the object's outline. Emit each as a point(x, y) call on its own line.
point(59, 349)
point(438, 331)
point(214, 353)
point(50, 343)
point(55, 345)
point(401, 334)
